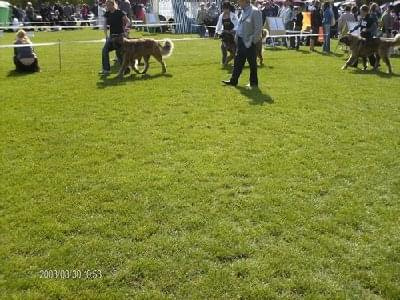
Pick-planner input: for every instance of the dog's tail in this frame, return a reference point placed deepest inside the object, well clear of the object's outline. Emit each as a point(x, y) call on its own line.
point(264, 33)
point(396, 40)
point(167, 49)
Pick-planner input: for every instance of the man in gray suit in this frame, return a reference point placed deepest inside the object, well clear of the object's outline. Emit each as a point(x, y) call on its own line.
point(247, 35)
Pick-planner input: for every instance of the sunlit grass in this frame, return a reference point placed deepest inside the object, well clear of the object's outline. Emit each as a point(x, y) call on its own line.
point(176, 186)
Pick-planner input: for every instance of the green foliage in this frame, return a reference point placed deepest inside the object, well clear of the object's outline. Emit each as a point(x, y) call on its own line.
point(178, 187)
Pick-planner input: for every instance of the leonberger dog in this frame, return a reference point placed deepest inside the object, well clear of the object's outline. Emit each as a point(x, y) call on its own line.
point(361, 47)
point(228, 39)
point(135, 49)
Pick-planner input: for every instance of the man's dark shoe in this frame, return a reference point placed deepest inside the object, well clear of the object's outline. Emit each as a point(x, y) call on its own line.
point(228, 82)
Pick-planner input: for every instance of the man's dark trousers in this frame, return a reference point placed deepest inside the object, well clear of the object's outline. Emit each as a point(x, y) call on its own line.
point(243, 54)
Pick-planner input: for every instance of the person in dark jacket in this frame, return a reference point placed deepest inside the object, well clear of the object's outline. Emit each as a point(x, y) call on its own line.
point(316, 23)
point(117, 20)
point(298, 23)
point(326, 22)
point(354, 11)
point(367, 26)
point(25, 59)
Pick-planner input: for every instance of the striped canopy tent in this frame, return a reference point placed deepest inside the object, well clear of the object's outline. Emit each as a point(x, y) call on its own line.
point(183, 12)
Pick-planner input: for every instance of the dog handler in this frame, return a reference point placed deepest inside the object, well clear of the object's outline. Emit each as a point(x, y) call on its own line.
point(227, 21)
point(117, 20)
point(247, 35)
point(367, 26)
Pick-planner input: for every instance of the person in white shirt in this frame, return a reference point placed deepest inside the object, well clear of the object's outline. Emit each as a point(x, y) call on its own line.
point(347, 16)
point(228, 22)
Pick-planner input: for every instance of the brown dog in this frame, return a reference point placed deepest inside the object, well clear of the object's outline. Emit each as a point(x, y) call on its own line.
point(228, 39)
point(134, 49)
point(360, 47)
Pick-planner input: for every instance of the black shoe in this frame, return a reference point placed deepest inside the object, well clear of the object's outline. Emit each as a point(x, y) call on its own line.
point(228, 82)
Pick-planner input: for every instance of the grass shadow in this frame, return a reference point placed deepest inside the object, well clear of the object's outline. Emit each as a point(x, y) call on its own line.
point(138, 77)
point(105, 82)
point(228, 68)
point(337, 54)
point(201, 64)
point(375, 73)
point(14, 73)
point(328, 54)
point(303, 51)
point(274, 48)
point(264, 66)
point(255, 95)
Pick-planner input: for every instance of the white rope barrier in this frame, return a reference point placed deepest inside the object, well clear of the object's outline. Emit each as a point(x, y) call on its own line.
point(61, 21)
point(28, 45)
point(79, 21)
point(293, 35)
point(81, 42)
point(58, 27)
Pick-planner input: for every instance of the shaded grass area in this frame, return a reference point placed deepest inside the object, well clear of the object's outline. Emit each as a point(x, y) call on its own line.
point(175, 186)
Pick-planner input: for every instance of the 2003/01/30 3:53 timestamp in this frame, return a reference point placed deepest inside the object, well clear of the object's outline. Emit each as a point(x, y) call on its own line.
point(70, 274)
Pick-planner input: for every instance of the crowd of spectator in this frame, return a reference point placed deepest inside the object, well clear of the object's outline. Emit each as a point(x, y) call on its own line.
point(67, 13)
point(331, 18)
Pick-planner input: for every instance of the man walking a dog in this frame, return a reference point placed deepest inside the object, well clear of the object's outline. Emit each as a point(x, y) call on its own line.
point(247, 35)
point(117, 20)
point(367, 26)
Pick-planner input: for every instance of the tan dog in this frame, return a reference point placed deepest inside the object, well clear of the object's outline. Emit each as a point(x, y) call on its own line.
point(134, 49)
point(229, 42)
point(360, 47)
point(259, 47)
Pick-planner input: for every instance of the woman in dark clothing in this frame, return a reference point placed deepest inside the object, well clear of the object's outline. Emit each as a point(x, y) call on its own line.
point(298, 24)
point(25, 59)
point(316, 23)
point(228, 22)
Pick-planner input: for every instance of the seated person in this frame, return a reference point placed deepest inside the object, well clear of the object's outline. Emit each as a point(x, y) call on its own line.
point(25, 59)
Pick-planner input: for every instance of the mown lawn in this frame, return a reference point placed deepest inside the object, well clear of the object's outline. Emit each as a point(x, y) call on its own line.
point(178, 187)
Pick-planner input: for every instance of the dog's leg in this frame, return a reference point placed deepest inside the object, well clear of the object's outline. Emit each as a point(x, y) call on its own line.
point(259, 52)
point(364, 59)
point(387, 62)
point(229, 58)
point(158, 57)
point(134, 65)
point(378, 58)
point(260, 57)
point(349, 62)
point(124, 65)
point(146, 64)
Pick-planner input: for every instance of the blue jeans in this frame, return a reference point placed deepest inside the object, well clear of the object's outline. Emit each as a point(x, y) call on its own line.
point(105, 56)
point(327, 38)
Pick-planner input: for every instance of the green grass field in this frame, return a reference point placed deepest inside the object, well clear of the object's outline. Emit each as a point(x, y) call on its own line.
point(174, 186)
